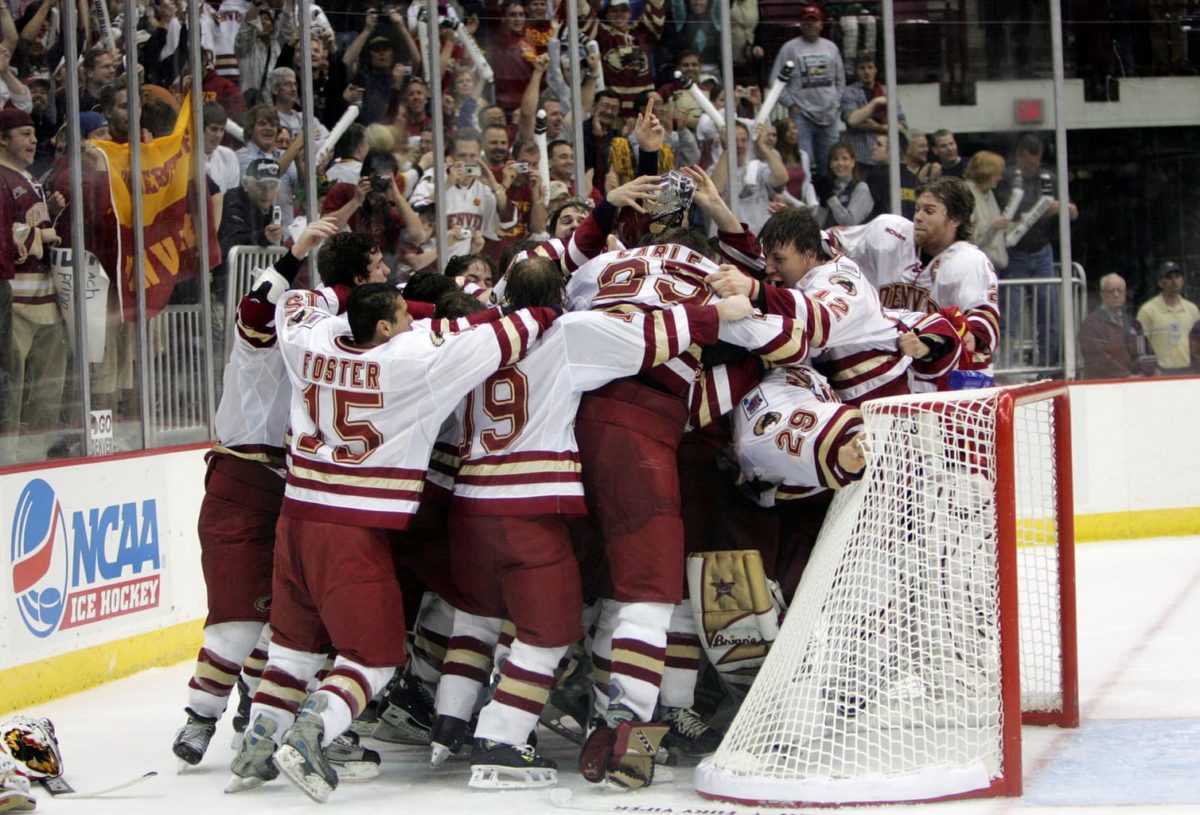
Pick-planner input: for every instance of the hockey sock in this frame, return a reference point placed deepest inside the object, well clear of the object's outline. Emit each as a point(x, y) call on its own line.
point(521, 694)
point(431, 635)
point(254, 665)
point(226, 646)
point(349, 686)
point(467, 668)
point(284, 684)
point(639, 648)
point(682, 666)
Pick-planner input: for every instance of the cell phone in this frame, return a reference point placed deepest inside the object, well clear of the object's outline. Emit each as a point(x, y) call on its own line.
point(276, 214)
point(473, 169)
point(522, 166)
point(465, 233)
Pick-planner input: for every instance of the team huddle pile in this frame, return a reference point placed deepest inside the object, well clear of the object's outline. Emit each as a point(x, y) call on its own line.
point(428, 500)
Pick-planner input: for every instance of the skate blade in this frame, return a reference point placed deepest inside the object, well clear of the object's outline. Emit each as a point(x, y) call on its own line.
point(365, 729)
point(439, 754)
point(356, 771)
point(485, 777)
point(558, 725)
point(394, 734)
point(239, 784)
point(291, 764)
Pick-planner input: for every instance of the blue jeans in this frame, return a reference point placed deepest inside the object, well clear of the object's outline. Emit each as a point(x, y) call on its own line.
point(816, 140)
point(1048, 326)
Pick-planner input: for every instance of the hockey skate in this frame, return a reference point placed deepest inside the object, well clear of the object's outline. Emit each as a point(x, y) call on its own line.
point(448, 737)
point(252, 766)
point(192, 739)
point(300, 757)
point(620, 752)
point(689, 735)
point(352, 761)
point(498, 766)
point(566, 712)
point(407, 717)
point(242, 718)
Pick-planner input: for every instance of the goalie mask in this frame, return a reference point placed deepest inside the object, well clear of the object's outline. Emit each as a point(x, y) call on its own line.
point(32, 745)
point(669, 208)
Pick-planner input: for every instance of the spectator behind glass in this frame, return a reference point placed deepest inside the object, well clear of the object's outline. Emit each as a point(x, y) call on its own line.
point(692, 26)
point(845, 198)
point(945, 147)
point(1112, 341)
point(262, 131)
point(626, 47)
point(511, 56)
point(1168, 319)
point(373, 83)
point(813, 94)
point(864, 109)
point(988, 224)
point(799, 191)
point(222, 161)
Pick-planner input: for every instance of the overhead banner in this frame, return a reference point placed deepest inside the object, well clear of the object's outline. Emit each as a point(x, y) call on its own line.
point(169, 233)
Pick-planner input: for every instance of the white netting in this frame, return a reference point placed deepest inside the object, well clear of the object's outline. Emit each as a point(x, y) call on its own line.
point(884, 684)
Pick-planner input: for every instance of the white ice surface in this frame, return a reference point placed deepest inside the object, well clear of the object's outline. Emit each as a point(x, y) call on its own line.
point(1138, 750)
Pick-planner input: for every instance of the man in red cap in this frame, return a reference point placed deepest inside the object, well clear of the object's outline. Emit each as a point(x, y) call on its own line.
point(814, 92)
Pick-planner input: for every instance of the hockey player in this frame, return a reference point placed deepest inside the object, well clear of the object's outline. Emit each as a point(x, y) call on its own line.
point(928, 263)
point(243, 489)
point(513, 525)
point(370, 395)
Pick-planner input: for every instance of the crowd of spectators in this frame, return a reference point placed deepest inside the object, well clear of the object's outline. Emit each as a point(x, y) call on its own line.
point(824, 145)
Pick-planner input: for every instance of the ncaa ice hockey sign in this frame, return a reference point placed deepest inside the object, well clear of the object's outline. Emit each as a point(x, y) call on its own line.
point(77, 563)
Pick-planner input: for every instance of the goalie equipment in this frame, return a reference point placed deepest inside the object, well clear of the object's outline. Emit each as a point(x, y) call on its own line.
point(408, 716)
point(192, 739)
point(499, 766)
point(252, 766)
point(622, 756)
point(14, 788)
point(31, 744)
point(300, 757)
point(737, 612)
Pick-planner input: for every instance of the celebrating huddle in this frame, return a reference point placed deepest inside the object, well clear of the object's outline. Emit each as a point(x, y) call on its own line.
point(411, 503)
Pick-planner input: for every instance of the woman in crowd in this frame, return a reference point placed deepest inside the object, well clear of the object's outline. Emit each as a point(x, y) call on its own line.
point(845, 198)
point(799, 191)
point(988, 224)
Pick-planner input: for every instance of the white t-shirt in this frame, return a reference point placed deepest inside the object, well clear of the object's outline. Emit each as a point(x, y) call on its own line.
point(223, 168)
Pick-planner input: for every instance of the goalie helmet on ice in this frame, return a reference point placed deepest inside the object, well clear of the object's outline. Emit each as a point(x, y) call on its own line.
point(32, 745)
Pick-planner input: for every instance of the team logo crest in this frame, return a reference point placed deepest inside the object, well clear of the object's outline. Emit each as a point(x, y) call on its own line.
point(766, 422)
point(845, 282)
point(40, 558)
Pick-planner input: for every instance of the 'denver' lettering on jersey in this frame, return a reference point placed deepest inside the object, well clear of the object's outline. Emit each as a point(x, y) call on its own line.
point(907, 297)
point(357, 374)
point(78, 567)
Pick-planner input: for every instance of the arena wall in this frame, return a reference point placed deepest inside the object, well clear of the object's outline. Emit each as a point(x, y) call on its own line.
point(104, 564)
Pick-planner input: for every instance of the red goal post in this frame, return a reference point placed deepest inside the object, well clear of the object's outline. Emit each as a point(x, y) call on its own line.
point(936, 615)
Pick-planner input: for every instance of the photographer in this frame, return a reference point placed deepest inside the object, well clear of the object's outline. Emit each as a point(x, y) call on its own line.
point(383, 72)
point(250, 215)
point(374, 206)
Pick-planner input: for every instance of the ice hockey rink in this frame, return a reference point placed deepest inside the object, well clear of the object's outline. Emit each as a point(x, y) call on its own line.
point(1137, 750)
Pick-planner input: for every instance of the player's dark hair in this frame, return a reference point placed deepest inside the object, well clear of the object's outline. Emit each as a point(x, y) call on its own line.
point(570, 203)
point(958, 199)
point(366, 306)
point(796, 227)
point(534, 281)
point(454, 304)
point(510, 252)
point(345, 256)
point(693, 239)
point(427, 287)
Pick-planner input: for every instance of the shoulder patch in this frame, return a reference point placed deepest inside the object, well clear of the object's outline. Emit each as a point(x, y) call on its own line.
point(753, 402)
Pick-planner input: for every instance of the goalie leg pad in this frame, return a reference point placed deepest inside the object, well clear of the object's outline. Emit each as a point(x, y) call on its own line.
point(737, 611)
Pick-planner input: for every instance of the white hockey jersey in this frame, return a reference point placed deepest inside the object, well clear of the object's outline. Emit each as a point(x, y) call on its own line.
point(520, 455)
point(961, 276)
point(787, 432)
point(364, 420)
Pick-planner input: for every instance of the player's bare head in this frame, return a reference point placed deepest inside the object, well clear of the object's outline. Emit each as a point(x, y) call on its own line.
point(454, 304)
point(794, 227)
point(534, 281)
point(346, 259)
point(693, 239)
point(427, 287)
point(376, 312)
point(510, 252)
point(569, 215)
point(956, 196)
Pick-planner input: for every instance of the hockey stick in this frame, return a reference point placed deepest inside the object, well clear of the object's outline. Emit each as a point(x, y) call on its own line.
point(59, 788)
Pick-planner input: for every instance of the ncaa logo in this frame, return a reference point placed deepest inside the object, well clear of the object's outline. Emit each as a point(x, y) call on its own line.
point(40, 558)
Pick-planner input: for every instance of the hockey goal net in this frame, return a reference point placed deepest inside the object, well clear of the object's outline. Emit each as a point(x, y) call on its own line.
point(936, 613)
